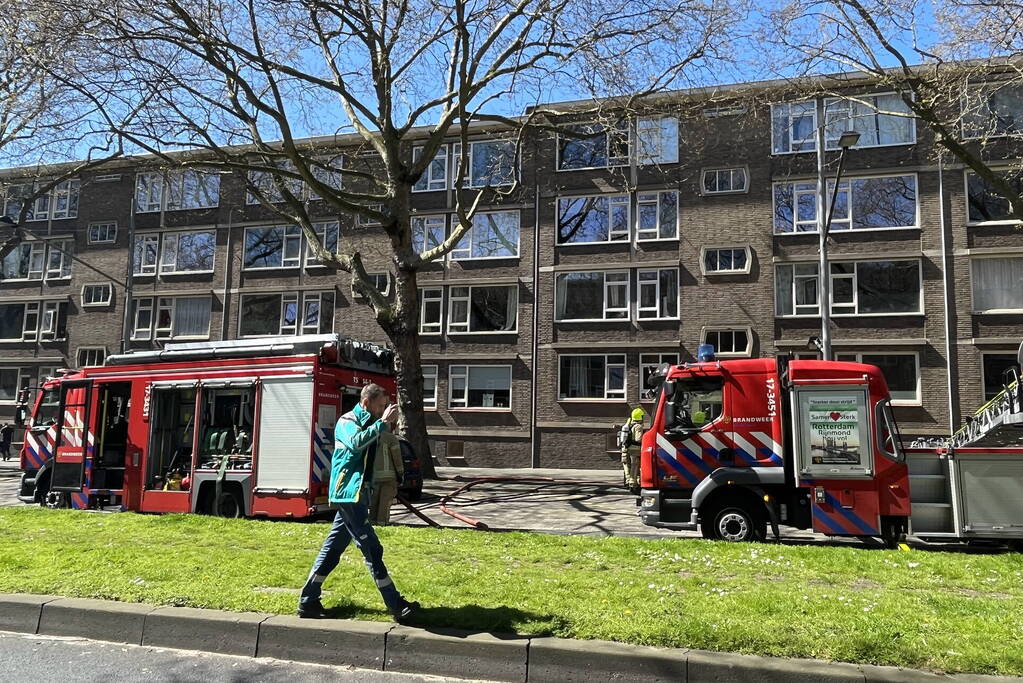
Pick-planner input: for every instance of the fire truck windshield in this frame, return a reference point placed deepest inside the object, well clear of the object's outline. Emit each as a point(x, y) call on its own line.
point(696, 402)
point(46, 415)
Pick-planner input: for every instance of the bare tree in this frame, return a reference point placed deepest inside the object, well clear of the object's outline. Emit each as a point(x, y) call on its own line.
point(956, 65)
point(238, 82)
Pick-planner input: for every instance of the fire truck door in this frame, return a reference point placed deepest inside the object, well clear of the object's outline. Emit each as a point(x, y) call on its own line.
point(74, 436)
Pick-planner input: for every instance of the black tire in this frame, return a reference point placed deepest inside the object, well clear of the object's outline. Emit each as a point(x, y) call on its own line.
point(42, 490)
point(737, 522)
point(228, 505)
point(57, 500)
point(893, 531)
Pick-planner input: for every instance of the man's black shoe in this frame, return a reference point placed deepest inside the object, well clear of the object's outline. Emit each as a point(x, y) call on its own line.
point(314, 610)
point(405, 611)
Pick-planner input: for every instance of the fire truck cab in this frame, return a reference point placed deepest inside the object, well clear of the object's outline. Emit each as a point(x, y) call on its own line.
point(227, 428)
point(737, 445)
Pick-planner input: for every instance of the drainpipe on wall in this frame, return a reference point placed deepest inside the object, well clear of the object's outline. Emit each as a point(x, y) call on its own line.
point(949, 328)
point(224, 323)
point(126, 321)
point(534, 432)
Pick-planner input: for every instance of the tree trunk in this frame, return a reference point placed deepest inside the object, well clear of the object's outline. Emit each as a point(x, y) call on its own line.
point(403, 331)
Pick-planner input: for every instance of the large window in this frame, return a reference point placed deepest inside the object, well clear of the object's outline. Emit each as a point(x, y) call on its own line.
point(171, 317)
point(479, 386)
point(901, 372)
point(729, 342)
point(435, 177)
point(286, 313)
point(995, 366)
point(861, 204)
point(59, 203)
point(726, 260)
point(591, 377)
point(36, 260)
point(97, 294)
point(494, 234)
point(657, 139)
point(491, 163)
point(882, 119)
point(879, 119)
point(658, 294)
point(593, 145)
point(91, 356)
point(592, 296)
point(268, 184)
point(102, 233)
point(997, 284)
point(585, 220)
point(176, 190)
point(993, 110)
point(857, 288)
point(12, 380)
point(725, 180)
point(282, 246)
point(188, 252)
point(428, 232)
point(985, 203)
point(657, 215)
point(477, 310)
point(34, 321)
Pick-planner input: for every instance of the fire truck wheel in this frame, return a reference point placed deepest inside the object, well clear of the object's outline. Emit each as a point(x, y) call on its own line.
point(228, 505)
point(56, 500)
point(734, 522)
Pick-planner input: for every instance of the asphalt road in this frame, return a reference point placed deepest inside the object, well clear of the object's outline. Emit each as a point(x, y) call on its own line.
point(42, 659)
point(10, 482)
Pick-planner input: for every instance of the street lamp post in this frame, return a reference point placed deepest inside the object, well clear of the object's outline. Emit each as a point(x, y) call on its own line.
point(825, 212)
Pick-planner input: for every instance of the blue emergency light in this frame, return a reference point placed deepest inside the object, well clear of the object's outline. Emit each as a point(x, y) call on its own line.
point(705, 353)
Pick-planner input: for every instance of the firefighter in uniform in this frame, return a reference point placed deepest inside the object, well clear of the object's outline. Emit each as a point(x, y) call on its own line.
point(630, 435)
point(388, 470)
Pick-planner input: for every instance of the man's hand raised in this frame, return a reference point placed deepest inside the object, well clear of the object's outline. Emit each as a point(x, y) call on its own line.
point(390, 414)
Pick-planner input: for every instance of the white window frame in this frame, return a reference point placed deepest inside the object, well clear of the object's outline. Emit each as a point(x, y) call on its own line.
point(830, 101)
point(612, 162)
point(845, 187)
point(429, 224)
point(654, 126)
point(175, 236)
point(291, 233)
point(321, 229)
point(386, 289)
point(604, 305)
point(468, 310)
point(613, 200)
point(966, 198)
point(821, 107)
point(726, 247)
point(653, 361)
point(731, 170)
point(916, 361)
point(87, 350)
point(788, 105)
point(467, 182)
point(145, 269)
point(45, 206)
point(817, 310)
point(105, 302)
point(293, 299)
point(430, 400)
point(49, 318)
point(985, 93)
point(33, 312)
point(644, 198)
point(983, 381)
point(439, 324)
point(139, 332)
point(973, 303)
point(58, 259)
point(158, 202)
point(432, 184)
point(453, 255)
point(462, 404)
point(745, 353)
point(624, 365)
point(656, 282)
point(155, 305)
point(20, 373)
point(111, 231)
point(37, 261)
point(316, 297)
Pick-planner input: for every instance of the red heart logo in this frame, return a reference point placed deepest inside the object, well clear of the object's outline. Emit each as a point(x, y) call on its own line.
point(835, 416)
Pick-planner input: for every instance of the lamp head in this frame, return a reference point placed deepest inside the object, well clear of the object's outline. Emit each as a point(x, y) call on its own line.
point(848, 139)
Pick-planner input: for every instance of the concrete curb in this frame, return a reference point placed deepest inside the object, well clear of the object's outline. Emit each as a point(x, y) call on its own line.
point(442, 652)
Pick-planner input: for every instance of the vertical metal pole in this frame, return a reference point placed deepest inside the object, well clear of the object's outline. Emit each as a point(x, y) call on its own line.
point(534, 432)
point(824, 274)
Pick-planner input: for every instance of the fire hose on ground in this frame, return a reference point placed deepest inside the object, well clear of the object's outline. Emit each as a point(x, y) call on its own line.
point(483, 526)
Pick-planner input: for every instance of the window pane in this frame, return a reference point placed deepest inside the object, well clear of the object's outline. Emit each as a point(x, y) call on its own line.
point(493, 309)
point(985, 202)
point(668, 304)
point(192, 316)
point(997, 284)
point(783, 290)
point(495, 235)
point(264, 247)
point(580, 296)
point(888, 286)
point(584, 219)
point(899, 372)
point(12, 317)
point(493, 163)
point(581, 376)
point(260, 314)
point(195, 250)
point(489, 387)
point(995, 365)
point(587, 148)
point(883, 202)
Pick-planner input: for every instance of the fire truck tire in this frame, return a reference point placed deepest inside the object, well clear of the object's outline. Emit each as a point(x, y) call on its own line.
point(228, 505)
point(735, 521)
point(56, 500)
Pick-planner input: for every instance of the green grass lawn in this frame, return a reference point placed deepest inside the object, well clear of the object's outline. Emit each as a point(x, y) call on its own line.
point(946, 611)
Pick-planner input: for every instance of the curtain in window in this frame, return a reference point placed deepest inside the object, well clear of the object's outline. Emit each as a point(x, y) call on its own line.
point(192, 317)
point(997, 284)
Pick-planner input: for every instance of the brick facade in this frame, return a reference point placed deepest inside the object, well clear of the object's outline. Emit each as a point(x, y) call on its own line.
point(574, 433)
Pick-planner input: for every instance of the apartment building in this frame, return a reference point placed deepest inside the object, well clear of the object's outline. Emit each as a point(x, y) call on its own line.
point(625, 244)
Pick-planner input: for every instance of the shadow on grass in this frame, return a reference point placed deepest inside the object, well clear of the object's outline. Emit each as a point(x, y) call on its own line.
point(508, 620)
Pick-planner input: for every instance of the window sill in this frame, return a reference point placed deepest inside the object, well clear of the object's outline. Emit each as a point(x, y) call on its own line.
point(705, 193)
point(726, 272)
point(999, 311)
point(657, 320)
point(268, 269)
point(906, 403)
point(839, 149)
point(479, 410)
point(597, 320)
point(485, 258)
point(100, 244)
point(105, 304)
point(983, 224)
point(851, 231)
point(654, 240)
point(173, 273)
point(805, 316)
point(624, 242)
point(605, 167)
point(592, 400)
point(482, 334)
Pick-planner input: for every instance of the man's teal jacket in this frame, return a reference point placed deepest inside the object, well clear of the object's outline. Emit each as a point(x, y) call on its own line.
point(355, 445)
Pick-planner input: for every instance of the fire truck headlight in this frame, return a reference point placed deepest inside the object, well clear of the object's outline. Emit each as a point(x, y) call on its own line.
point(648, 502)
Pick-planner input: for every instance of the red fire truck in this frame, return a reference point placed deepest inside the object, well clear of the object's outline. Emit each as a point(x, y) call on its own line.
point(738, 445)
point(227, 428)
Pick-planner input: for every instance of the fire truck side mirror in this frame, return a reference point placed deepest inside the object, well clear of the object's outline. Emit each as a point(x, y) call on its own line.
point(669, 389)
point(20, 414)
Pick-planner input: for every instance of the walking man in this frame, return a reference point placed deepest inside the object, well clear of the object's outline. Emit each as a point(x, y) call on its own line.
point(356, 438)
point(630, 436)
point(6, 436)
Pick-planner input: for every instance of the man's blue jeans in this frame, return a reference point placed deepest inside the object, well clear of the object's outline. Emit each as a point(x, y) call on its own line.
point(351, 523)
